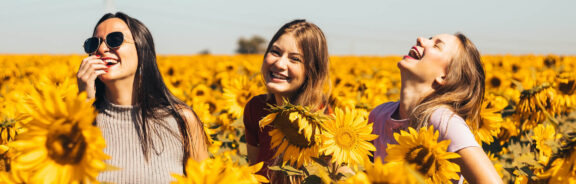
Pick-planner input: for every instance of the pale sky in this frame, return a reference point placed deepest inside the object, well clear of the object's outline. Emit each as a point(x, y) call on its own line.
point(352, 27)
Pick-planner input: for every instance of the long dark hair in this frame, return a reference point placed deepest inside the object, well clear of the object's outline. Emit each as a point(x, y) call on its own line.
point(150, 92)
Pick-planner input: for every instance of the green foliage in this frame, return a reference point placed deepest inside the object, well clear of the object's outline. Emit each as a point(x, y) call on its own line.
point(254, 45)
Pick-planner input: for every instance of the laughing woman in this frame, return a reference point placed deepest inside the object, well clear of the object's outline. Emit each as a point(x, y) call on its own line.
point(149, 133)
point(442, 84)
point(295, 67)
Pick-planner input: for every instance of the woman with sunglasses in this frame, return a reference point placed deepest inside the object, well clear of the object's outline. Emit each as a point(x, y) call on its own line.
point(149, 133)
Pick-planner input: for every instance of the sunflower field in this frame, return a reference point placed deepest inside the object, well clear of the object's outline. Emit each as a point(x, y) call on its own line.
point(528, 126)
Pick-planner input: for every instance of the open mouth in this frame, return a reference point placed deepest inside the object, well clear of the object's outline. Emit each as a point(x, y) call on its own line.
point(277, 76)
point(110, 62)
point(414, 53)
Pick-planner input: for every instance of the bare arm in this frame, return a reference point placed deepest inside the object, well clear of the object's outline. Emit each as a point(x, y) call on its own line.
point(198, 139)
point(476, 166)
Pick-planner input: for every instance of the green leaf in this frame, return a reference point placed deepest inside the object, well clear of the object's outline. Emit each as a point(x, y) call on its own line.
point(288, 170)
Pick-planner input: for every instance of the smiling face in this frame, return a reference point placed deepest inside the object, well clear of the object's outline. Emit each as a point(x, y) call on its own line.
point(122, 62)
point(429, 59)
point(283, 67)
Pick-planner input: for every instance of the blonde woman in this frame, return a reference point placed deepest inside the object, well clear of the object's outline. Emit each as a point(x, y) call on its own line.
point(442, 84)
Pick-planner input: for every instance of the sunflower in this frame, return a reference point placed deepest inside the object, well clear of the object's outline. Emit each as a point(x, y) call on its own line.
point(391, 172)
point(536, 105)
point(237, 92)
point(358, 178)
point(497, 81)
point(202, 109)
point(422, 151)
point(543, 134)
point(7, 135)
point(566, 89)
point(219, 170)
point(491, 118)
point(520, 178)
point(200, 93)
point(508, 130)
point(296, 132)
point(7, 131)
point(226, 127)
point(347, 137)
point(60, 145)
point(562, 168)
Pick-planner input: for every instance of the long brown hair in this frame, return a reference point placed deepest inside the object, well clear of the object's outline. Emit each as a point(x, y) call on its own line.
point(312, 43)
point(312, 93)
point(462, 92)
point(151, 94)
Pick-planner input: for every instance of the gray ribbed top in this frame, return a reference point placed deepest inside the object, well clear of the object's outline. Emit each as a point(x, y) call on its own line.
point(118, 126)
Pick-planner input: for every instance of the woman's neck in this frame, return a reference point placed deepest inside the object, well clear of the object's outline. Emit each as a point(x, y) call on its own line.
point(120, 92)
point(279, 99)
point(410, 95)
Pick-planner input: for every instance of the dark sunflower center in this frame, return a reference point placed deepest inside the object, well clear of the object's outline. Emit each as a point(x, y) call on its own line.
point(567, 88)
point(290, 131)
point(66, 144)
point(515, 68)
point(176, 83)
point(495, 82)
point(171, 71)
point(212, 107)
point(422, 157)
point(200, 93)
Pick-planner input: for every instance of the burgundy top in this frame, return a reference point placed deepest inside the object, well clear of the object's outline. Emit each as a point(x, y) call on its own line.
point(255, 110)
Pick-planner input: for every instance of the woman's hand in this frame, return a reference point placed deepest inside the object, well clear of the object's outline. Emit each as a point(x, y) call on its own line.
point(90, 68)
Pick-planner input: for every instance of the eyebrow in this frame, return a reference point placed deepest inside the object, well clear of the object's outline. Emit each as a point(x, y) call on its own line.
point(290, 53)
point(439, 41)
point(295, 53)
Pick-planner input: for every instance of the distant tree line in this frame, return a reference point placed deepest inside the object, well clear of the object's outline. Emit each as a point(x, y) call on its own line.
point(254, 45)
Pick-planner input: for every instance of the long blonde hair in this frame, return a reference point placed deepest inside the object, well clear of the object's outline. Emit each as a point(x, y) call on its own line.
point(462, 92)
point(314, 49)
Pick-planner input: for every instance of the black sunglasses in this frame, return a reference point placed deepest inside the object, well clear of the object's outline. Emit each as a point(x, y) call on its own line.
point(113, 40)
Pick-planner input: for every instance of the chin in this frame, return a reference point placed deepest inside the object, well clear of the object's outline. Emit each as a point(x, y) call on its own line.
point(107, 77)
point(403, 66)
point(278, 89)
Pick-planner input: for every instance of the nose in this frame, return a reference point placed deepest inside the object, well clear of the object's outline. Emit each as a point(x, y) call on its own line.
point(419, 41)
point(103, 48)
point(423, 42)
point(281, 63)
